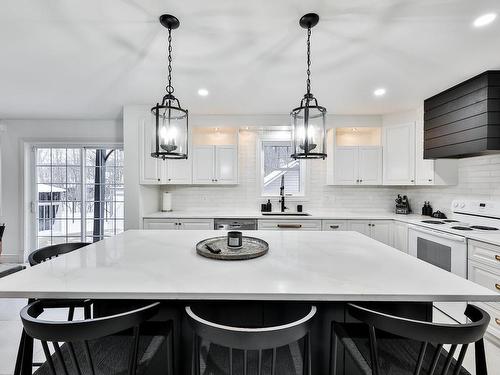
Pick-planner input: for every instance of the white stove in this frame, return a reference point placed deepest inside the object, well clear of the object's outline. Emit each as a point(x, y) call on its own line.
point(467, 216)
point(446, 245)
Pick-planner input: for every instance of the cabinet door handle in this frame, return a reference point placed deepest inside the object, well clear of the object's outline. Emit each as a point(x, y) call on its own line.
point(412, 180)
point(334, 226)
point(497, 321)
point(430, 179)
point(360, 180)
point(289, 226)
point(497, 286)
point(497, 257)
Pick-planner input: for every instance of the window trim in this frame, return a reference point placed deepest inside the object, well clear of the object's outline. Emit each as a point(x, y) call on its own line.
point(279, 138)
point(29, 183)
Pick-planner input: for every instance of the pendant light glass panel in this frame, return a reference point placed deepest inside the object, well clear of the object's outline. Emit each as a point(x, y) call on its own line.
point(171, 132)
point(308, 132)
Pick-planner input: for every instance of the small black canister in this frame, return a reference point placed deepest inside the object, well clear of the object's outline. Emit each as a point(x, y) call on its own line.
point(234, 239)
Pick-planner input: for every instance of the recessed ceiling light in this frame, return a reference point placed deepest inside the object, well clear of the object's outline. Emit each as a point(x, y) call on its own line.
point(379, 92)
point(202, 92)
point(484, 20)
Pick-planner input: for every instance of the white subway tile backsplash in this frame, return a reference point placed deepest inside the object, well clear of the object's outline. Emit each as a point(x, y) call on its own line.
point(479, 178)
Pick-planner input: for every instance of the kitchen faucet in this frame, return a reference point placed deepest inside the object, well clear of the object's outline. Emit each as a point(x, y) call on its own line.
point(282, 194)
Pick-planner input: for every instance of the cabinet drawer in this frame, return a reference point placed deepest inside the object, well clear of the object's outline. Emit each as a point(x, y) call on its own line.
point(494, 326)
point(489, 277)
point(334, 224)
point(485, 253)
point(290, 224)
point(165, 224)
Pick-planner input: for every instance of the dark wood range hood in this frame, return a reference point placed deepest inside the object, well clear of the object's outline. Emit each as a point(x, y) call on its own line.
point(464, 120)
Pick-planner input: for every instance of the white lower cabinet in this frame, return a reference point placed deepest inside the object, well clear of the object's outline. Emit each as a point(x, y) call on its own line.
point(400, 236)
point(332, 225)
point(289, 224)
point(380, 230)
point(179, 224)
point(484, 269)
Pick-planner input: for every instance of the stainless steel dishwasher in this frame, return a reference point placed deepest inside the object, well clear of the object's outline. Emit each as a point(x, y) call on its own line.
point(235, 224)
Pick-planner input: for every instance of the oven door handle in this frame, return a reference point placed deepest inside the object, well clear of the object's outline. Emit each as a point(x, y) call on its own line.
point(450, 237)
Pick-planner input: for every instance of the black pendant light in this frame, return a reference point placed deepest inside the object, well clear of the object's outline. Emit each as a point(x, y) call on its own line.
point(308, 120)
point(171, 120)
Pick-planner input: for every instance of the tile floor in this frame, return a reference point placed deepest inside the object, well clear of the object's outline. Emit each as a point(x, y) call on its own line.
point(10, 333)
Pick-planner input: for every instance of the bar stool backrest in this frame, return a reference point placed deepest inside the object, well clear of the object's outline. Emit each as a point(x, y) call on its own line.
point(70, 332)
point(45, 253)
point(251, 338)
point(428, 332)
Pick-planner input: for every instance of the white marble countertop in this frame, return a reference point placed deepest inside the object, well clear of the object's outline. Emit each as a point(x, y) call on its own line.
point(314, 215)
point(300, 266)
point(489, 237)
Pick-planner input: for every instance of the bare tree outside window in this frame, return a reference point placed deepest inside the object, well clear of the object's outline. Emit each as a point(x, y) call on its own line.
point(79, 194)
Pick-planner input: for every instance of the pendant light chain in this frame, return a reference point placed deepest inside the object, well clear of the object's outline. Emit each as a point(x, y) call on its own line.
point(308, 60)
point(170, 89)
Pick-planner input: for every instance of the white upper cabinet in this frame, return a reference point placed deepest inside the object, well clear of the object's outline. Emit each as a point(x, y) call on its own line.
point(356, 156)
point(149, 168)
point(215, 164)
point(203, 164)
point(226, 164)
point(370, 165)
point(345, 167)
point(178, 171)
point(358, 165)
point(215, 156)
point(398, 143)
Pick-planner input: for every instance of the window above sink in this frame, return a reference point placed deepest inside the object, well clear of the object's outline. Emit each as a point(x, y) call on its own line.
point(275, 162)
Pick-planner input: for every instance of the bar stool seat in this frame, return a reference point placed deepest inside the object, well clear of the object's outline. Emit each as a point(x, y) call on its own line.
point(108, 356)
point(387, 344)
point(242, 350)
point(396, 355)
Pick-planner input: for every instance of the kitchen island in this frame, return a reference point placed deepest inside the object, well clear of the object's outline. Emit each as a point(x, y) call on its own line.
point(325, 268)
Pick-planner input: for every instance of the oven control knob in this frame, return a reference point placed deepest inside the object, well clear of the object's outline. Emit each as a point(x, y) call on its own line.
point(462, 205)
point(455, 204)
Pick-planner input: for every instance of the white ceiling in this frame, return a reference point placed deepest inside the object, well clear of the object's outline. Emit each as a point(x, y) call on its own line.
point(86, 59)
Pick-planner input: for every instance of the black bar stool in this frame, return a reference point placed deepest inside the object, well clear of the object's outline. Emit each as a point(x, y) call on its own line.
point(387, 344)
point(94, 346)
point(24, 360)
point(46, 253)
point(264, 341)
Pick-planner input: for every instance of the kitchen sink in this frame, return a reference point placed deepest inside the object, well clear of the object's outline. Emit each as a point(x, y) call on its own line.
point(285, 214)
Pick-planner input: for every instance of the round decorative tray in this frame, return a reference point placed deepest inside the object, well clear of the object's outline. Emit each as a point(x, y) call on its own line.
point(252, 248)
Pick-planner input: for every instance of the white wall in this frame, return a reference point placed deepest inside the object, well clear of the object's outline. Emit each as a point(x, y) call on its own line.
point(13, 137)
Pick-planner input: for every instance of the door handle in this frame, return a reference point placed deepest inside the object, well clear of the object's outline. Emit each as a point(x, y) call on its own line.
point(497, 257)
point(497, 286)
point(497, 321)
point(289, 226)
point(334, 226)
